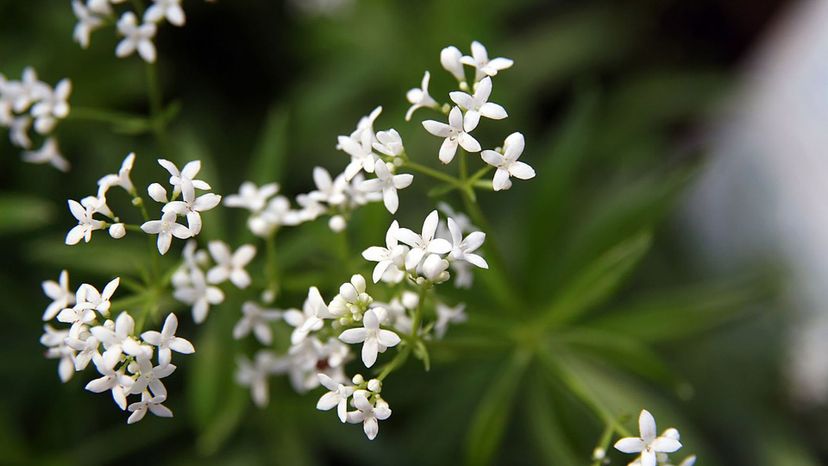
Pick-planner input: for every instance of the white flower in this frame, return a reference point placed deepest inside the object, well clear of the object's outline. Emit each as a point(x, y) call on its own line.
point(251, 197)
point(450, 58)
point(119, 340)
point(434, 268)
point(166, 341)
point(88, 21)
point(157, 193)
point(230, 265)
point(60, 295)
point(477, 105)
point(86, 224)
point(184, 181)
point(169, 9)
point(77, 317)
point(52, 106)
point(648, 445)
point(102, 7)
point(135, 38)
point(337, 396)
point(453, 133)
point(86, 350)
point(361, 151)
point(387, 183)
point(48, 153)
point(368, 414)
point(196, 292)
point(258, 320)
point(54, 340)
point(352, 298)
point(419, 97)
point(117, 230)
point(462, 249)
point(480, 61)
point(166, 228)
point(150, 376)
point(112, 380)
point(149, 403)
point(423, 243)
point(192, 209)
point(366, 124)
point(328, 190)
point(88, 296)
point(507, 163)
point(277, 213)
point(389, 143)
point(122, 179)
point(462, 220)
point(374, 339)
point(255, 375)
point(314, 310)
point(392, 254)
point(337, 223)
point(448, 315)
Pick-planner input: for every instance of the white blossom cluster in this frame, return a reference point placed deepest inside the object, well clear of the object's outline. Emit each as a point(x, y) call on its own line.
point(122, 357)
point(652, 449)
point(467, 110)
point(29, 103)
point(136, 26)
point(183, 184)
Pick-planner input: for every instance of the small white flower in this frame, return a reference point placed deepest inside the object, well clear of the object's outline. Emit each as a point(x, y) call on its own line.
point(420, 98)
point(387, 183)
point(119, 340)
point(150, 376)
point(328, 190)
point(256, 375)
point(166, 341)
point(135, 38)
point(122, 179)
point(448, 315)
point(454, 135)
point(462, 220)
point(192, 209)
point(86, 224)
point(19, 132)
point(77, 317)
point(337, 223)
point(352, 298)
point(169, 9)
point(424, 242)
point(183, 181)
point(230, 265)
point(434, 268)
point(462, 249)
point(451, 59)
point(88, 296)
point(310, 319)
point(507, 163)
point(59, 293)
point(648, 445)
point(88, 21)
point(477, 105)
point(149, 403)
point(117, 230)
point(54, 340)
point(48, 153)
point(251, 197)
point(277, 214)
point(112, 380)
point(389, 143)
point(368, 414)
point(86, 350)
point(257, 319)
point(392, 254)
point(373, 338)
point(361, 152)
point(196, 292)
point(337, 396)
point(52, 106)
point(480, 61)
point(166, 228)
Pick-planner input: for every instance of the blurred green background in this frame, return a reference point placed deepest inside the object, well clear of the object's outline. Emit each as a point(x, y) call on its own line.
point(611, 97)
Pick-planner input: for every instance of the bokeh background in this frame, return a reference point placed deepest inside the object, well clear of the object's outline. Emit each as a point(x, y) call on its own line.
point(653, 125)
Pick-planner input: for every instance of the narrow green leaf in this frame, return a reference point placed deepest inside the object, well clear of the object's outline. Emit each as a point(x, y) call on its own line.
point(547, 428)
point(268, 160)
point(222, 425)
point(20, 213)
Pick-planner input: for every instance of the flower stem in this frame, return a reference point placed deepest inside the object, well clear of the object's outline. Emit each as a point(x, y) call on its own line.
point(431, 172)
point(272, 270)
point(156, 106)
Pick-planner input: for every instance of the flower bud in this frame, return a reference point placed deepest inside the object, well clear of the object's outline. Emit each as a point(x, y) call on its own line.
point(117, 230)
point(375, 385)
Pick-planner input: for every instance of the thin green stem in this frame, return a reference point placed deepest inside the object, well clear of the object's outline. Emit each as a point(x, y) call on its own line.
point(107, 116)
point(600, 451)
point(431, 172)
point(156, 103)
point(272, 270)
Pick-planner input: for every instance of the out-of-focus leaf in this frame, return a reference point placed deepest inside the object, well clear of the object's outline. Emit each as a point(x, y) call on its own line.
point(547, 428)
point(224, 423)
point(597, 282)
point(492, 415)
point(104, 257)
point(20, 213)
point(267, 163)
point(668, 316)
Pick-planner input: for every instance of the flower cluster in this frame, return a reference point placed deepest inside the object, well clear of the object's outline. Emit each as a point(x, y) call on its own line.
point(467, 110)
point(652, 448)
point(137, 26)
point(31, 102)
point(122, 356)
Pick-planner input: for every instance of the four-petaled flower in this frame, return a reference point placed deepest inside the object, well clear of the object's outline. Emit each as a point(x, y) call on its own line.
point(136, 38)
point(477, 105)
point(258, 320)
point(392, 254)
point(424, 242)
point(454, 135)
point(59, 293)
point(169, 9)
point(86, 224)
point(251, 197)
point(507, 163)
point(373, 338)
point(337, 396)
point(166, 228)
point(48, 153)
point(387, 183)
point(230, 265)
point(149, 403)
point(648, 444)
point(368, 414)
point(166, 341)
point(183, 180)
point(420, 98)
point(479, 59)
point(192, 208)
point(462, 249)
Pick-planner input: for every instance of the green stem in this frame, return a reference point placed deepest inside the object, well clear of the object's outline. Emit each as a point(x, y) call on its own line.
point(272, 270)
point(107, 116)
point(431, 172)
point(603, 444)
point(156, 103)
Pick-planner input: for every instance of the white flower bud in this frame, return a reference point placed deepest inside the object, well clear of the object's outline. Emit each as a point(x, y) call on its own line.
point(157, 193)
point(359, 282)
point(410, 300)
point(348, 292)
point(117, 230)
point(358, 379)
point(337, 223)
point(375, 385)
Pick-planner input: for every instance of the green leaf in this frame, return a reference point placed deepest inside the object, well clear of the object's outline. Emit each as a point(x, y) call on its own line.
point(125, 256)
point(547, 428)
point(20, 213)
point(267, 163)
point(597, 282)
point(225, 421)
point(489, 421)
